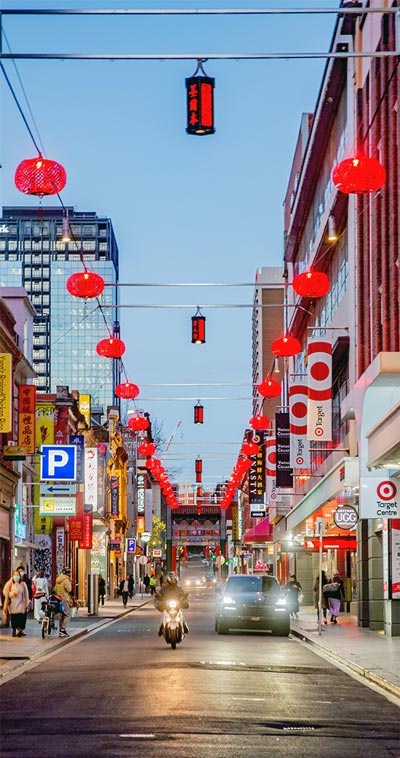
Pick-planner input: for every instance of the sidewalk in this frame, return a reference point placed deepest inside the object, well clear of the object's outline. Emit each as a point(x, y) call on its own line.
point(370, 654)
point(18, 651)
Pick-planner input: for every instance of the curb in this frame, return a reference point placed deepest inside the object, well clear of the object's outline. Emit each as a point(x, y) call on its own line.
point(357, 668)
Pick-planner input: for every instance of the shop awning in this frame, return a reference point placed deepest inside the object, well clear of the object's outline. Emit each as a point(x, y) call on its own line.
point(261, 532)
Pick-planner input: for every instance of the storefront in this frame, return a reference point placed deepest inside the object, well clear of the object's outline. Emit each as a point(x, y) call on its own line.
point(258, 540)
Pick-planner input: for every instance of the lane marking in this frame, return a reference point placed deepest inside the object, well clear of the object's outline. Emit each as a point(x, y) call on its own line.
point(139, 736)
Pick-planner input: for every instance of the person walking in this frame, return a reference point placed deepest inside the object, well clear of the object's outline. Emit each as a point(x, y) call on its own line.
point(334, 590)
point(293, 588)
point(64, 589)
point(324, 600)
point(131, 585)
point(16, 597)
point(102, 589)
point(124, 590)
point(152, 585)
point(41, 593)
point(146, 582)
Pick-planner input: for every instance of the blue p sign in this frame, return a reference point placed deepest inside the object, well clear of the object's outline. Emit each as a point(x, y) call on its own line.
point(58, 463)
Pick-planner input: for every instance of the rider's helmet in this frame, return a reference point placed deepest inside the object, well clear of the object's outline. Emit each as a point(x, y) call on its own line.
point(171, 578)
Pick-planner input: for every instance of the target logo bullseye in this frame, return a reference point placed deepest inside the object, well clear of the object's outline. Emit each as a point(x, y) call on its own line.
point(386, 490)
point(299, 460)
point(318, 431)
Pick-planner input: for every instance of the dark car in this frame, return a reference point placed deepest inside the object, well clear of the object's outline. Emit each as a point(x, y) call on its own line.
point(249, 601)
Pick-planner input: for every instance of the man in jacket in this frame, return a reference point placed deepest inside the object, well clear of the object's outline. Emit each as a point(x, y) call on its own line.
point(64, 589)
point(171, 591)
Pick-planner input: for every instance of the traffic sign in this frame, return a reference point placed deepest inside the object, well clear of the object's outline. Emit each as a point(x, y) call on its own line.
point(58, 463)
point(57, 506)
point(157, 553)
point(57, 490)
point(145, 536)
point(142, 560)
point(220, 560)
point(115, 545)
point(130, 545)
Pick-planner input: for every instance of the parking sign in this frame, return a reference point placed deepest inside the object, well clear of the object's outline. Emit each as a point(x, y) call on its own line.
point(58, 463)
point(130, 545)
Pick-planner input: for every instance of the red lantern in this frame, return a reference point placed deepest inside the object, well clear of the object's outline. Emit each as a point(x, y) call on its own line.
point(259, 422)
point(127, 390)
point(147, 449)
point(85, 284)
point(198, 328)
point(245, 464)
point(138, 423)
point(198, 413)
point(311, 284)
point(111, 348)
point(269, 388)
point(200, 103)
point(250, 448)
point(285, 346)
point(39, 176)
point(358, 175)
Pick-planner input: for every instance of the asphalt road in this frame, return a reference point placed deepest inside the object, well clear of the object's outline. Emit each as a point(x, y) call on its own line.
point(123, 692)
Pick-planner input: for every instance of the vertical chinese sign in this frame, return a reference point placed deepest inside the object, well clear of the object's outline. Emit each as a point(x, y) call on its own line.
point(257, 479)
point(5, 393)
point(44, 436)
point(27, 417)
point(91, 472)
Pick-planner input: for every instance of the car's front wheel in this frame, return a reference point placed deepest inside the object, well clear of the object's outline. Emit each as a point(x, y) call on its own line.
point(281, 630)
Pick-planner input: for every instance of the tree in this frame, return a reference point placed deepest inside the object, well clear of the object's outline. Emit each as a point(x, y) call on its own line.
point(158, 533)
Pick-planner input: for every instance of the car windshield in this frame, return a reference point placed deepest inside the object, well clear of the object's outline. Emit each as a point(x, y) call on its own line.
point(238, 584)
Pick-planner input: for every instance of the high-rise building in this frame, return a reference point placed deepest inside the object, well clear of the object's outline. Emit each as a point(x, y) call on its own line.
point(66, 329)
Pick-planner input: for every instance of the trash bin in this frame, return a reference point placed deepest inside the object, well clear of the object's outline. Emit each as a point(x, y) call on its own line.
point(93, 594)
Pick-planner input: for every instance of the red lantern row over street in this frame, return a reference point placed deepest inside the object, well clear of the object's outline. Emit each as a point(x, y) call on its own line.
point(127, 391)
point(358, 175)
point(158, 471)
point(269, 388)
point(85, 284)
point(138, 423)
point(242, 466)
point(112, 347)
point(250, 448)
point(311, 284)
point(40, 176)
point(259, 422)
point(286, 346)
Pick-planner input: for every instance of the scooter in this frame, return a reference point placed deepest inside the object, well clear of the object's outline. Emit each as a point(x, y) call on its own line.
point(173, 625)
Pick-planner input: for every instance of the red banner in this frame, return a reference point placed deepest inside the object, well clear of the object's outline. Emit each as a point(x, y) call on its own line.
point(76, 523)
point(27, 417)
point(299, 445)
point(319, 426)
point(87, 537)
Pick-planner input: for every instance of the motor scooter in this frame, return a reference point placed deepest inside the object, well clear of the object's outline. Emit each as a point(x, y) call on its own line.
point(173, 625)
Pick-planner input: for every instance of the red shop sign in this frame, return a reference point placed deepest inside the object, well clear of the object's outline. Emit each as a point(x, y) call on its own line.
point(330, 543)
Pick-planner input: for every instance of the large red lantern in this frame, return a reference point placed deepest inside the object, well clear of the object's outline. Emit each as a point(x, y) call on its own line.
point(138, 423)
point(85, 284)
point(259, 422)
point(200, 103)
point(358, 175)
point(285, 346)
point(269, 388)
point(127, 391)
point(39, 176)
point(111, 348)
point(250, 448)
point(311, 284)
point(198, 328)
point(198, 413)
point(147, 449)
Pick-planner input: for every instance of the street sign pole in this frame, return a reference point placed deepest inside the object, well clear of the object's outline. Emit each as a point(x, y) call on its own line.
point(321, 530)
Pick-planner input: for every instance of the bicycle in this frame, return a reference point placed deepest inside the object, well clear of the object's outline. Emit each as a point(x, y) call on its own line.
point(50, 609)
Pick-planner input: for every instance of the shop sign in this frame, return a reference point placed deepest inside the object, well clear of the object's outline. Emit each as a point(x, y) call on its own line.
point(257, 472)
point(379, 497)
point(330, 543)
point(87, 528)
point(57, 506)
point(114, 488)
point(27, 417)
point(91, 472)
point(319, 369)
point(299, 444)
point(84, 407)
point(140, 494)
point(157, 553)
point(271, 491)
point(5, 393)
point(284, 475)
point(79, 441)
point(395, 559)
point(115, 545)
point(345, 517)
point(19, 526)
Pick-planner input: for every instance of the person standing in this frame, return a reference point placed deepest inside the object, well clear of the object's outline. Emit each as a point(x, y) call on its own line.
point(17, 599)
point(102, 589)
point(324, 601)
point(335, 594)
point(131, 585)
point(124, 590)
point(41, 593)
point(146, 582)
point(64, 588)
point(293, 588)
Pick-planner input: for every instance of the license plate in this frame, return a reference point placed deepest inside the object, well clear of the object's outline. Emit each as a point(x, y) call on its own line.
point(256, 618)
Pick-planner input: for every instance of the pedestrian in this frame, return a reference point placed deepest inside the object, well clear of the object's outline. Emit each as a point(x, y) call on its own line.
point(324, 600)
point(293, 588)
point(39, 582)
point(25, 578)
point(124, 590)
point(64, 589)
point(16, 598)
point(131, 585)
point(334, 591)
point(146, 582)
point(152, 585)
point(102, 589)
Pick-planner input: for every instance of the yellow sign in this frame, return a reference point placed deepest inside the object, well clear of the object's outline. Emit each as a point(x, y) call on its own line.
point(14, 453)
point(5, 393)
point(85, 407)
point(44, 423)
point(42, 524)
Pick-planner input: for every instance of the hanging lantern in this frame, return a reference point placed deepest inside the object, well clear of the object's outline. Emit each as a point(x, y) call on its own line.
point(250, 448)
point(138, 423)
point(200, 103)
point(245, 464)
point(147, 449)
point(286, 346)
point(198, 465)
point(39, 176)
point(127, 391)
point(198, 328)
point(259, 422)
point(269, 388)
point(85, 284)
point(111, 348)
point(358, 175)
point(198, 413)
point(311, 284)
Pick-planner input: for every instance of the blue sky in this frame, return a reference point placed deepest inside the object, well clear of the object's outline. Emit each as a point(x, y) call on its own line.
point(184, 208)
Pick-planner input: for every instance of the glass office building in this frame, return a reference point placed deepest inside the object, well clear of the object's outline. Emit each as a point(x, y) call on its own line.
point(66, 329)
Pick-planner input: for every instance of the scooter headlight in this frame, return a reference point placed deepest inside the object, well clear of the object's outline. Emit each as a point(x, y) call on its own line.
point(172, 604)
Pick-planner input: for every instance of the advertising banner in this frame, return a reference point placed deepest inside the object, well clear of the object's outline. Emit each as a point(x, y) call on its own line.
point(44, 423)
point(270, 471)
point(91, 477)
point(298, 409)
point(395, 559)
point(319, 422)
point(76, 523)
point(27, 417)
point(114, 488)
point(79, 441)
point(87, 528)
point(60, 425)
point(257, 472)
point(379, 497)
point(5, 393)
point(284, 475)
point(84, 407)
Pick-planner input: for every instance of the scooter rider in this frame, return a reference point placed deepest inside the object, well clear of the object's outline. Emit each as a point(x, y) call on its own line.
point(171, 590)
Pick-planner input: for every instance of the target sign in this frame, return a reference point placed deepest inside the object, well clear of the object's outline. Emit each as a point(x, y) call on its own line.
point(270, 469)
point(299, 446)
point(319, 422)
point(386, 490)
point(379, 497)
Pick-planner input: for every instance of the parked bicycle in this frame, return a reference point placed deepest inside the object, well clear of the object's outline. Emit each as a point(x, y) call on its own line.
point(50, 609)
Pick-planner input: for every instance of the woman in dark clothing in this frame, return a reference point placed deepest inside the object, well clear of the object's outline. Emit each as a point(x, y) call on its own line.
point(131, 585)
point(102, 589)
point(324, 600)
point(293, 588)
point(335, 596)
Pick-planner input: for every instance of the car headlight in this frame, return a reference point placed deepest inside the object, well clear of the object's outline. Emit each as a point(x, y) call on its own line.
point(281, 601)
point(229, 601)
